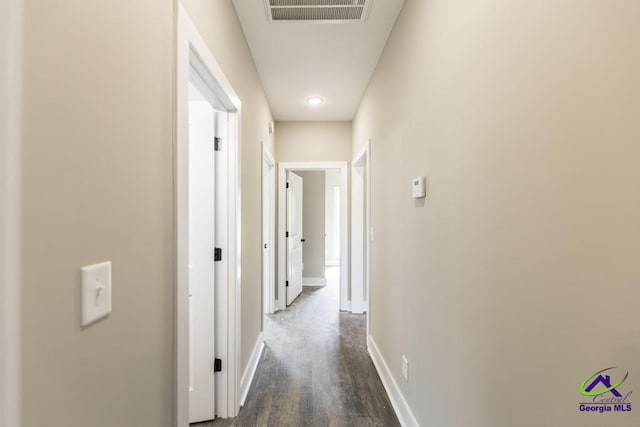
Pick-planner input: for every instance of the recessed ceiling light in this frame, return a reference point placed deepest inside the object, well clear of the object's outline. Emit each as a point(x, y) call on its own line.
point(314, 100)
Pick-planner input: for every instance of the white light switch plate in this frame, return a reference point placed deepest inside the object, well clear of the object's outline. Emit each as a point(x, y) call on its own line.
point(96, 292)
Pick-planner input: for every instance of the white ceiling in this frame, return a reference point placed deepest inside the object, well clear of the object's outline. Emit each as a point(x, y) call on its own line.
point(296, 60)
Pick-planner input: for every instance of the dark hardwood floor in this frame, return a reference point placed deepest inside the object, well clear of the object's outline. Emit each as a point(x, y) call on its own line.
point(315, 369)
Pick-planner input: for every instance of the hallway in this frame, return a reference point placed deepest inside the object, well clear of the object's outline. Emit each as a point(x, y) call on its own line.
point(315, 369)
point(487, 199)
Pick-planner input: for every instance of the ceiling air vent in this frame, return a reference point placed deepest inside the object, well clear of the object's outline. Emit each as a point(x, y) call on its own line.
point(318, 11)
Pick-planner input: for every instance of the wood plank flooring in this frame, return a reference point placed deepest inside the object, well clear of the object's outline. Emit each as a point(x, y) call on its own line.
point(315, 369)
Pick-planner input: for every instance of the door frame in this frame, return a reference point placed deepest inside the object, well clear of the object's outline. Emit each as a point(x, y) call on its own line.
point(268, 235)
point(283, 167)
point(361, 231)
point(10, 186)
point(194, 62)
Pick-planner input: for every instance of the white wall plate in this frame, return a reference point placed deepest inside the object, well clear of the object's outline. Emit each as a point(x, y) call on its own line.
point(96, 292)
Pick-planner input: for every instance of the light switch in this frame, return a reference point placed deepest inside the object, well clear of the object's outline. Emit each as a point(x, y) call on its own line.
point(96, 292)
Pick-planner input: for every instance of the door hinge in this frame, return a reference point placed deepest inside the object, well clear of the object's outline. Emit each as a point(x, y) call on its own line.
point(287, 185)
point(287, 283)
point(217, 143)
point(217, 365)
point(286, 234)
point(217, 254)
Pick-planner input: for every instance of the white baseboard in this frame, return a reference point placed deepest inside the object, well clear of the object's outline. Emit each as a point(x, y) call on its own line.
point(400, 405)
point(250, 371)
point(314, 281)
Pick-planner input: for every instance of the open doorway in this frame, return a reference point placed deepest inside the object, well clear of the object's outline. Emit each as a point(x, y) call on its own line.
point(307, 233)
point(305, 244)
point(207, 234)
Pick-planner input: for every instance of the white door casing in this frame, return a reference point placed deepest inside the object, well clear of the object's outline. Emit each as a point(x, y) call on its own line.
point(281, 301)
point(360, 231)
point(195, 64)
point(268, 230)
point(294, 239)
point(201, 260)
point(10, 172)
point(357, 240)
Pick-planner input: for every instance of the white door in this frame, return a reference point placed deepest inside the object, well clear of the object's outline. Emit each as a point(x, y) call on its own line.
point(201, 258)
point(294, 239)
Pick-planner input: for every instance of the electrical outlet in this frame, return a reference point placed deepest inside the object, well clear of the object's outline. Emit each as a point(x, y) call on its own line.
point(405, 368)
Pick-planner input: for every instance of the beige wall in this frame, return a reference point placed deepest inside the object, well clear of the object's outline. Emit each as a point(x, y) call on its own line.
point(518, 277)
point(313, 141)
point(313, 222)
point(219, 26)
point(98, 186)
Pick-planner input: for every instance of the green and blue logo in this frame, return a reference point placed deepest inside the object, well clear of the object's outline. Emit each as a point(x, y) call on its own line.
point(605, 394)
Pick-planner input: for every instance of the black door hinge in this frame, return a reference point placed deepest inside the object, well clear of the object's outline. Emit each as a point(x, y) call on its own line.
point(217, 254)
point(217, 365)
point(286, 234)
point(287, 282)
point(217, 143)
point(287, 185)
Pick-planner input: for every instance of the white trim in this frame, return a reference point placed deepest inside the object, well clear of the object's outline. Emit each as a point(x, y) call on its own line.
point(345, 304)
point(10, 172)
point(360, 231)
point(314, 281)
point(269, 193)
point(399, 403)
point(357, 238)
point(192, 49)
point(362, 155)
point(252, 367)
